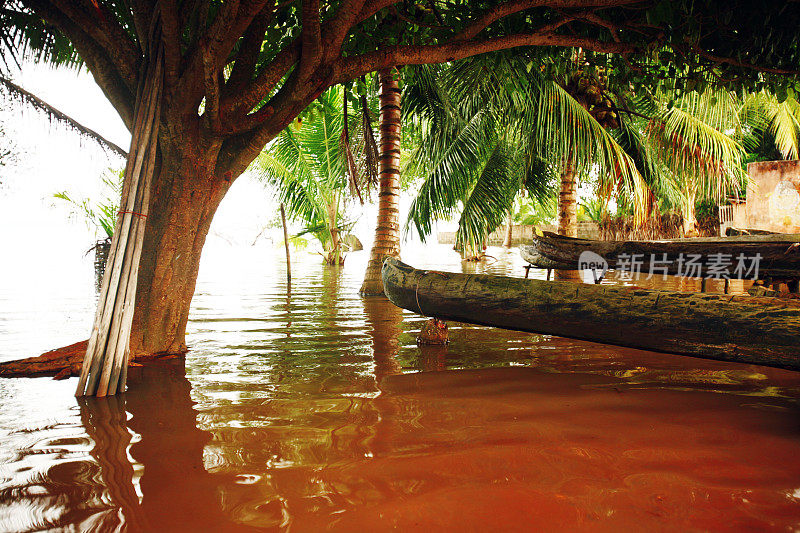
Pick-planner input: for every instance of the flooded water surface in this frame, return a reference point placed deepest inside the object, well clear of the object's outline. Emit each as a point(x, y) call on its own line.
point(317, 411)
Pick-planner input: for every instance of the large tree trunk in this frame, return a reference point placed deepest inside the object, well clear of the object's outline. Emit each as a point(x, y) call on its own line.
point(568, 203)
point(185, 196)
point(185, 193)
point(387, 234)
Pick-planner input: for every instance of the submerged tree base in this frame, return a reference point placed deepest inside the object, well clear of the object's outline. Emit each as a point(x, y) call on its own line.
point(61, 363)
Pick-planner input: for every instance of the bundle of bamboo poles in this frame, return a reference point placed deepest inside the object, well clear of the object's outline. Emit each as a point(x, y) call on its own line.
point(105, 365)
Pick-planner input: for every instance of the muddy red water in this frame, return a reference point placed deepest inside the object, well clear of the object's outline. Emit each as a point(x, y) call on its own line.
point(319, 412)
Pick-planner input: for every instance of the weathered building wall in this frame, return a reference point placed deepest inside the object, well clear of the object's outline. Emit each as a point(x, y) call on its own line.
point(773, 196)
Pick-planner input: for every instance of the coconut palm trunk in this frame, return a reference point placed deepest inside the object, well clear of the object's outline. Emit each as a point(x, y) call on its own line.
point(509, 230)
point(568, 203)
point(690, 228)
point(387, 233)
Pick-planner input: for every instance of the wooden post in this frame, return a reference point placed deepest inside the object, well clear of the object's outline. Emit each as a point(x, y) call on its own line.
point(286, 244)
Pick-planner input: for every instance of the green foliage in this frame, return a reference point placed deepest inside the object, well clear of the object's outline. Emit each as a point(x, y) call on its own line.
point(492, 126)
point(592, 209)
point(535, 213)
point(669, 149)
point(773, 124)
point(307, 165)
point(26, 37)
point(98, 215)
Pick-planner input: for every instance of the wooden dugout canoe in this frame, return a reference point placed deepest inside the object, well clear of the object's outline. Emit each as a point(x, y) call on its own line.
point(743, 329)
point(529, 253)
point(779, 253)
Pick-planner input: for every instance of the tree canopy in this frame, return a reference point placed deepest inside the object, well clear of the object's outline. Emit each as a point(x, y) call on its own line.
point(237, 72)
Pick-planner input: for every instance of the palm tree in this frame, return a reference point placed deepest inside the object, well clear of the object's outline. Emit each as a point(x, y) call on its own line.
point(773, 122)
point(495, 125)
point(588, 87)
point(309, 164)
point(387, 232)
point(689, 148)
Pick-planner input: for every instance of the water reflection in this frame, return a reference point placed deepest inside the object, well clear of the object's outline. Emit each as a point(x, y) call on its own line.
point(502, 446)
point(105, 422)
point(319, 411)
point(383, 326)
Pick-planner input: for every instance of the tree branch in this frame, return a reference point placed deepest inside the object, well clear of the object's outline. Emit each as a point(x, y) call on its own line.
point(116, 88)
point(102, 27)
point(266, 80)
point(371, 7)
point(352, 67)
point(18, 92)
point(245, 62)
point(170, 35)
point(339, 25)
point(515, 6)
point(310, 39)
point(735, 63)
point(140, 10)
point(232, 19)
point(409, 20)
point(210, 82)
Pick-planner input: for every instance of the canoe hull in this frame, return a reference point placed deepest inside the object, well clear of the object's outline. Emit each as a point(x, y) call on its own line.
point(730, 328)
point(779, 255)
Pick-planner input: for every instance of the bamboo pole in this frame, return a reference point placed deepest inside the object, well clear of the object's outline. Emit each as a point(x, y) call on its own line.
point(286, 244)
point(104, 368)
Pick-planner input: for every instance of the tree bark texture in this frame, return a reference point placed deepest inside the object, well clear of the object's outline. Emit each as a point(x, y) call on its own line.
point(387, 233)
point(690, 226)
point(743, 329)
point(185, 196)
point(509, 231)
point(568, 203)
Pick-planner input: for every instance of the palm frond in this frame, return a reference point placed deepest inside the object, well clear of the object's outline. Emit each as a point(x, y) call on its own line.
point(563, 131)
point(25, 36)
point(307, 165)
point(17, 93)
point(786, 128)
point(491, 197)
point(695, 149)
point(449, 174)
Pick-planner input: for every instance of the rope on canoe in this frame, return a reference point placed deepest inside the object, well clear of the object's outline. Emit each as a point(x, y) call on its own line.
point(416, 287)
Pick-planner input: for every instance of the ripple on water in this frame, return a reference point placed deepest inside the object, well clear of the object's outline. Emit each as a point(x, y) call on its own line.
point(320, 410)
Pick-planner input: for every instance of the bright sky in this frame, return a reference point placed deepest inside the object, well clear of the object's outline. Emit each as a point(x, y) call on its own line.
point(46, 276)
point(36, 232)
